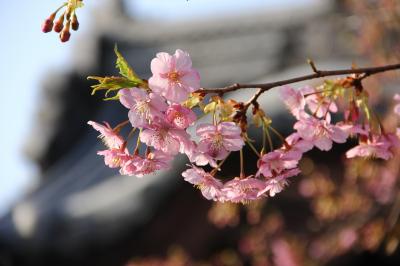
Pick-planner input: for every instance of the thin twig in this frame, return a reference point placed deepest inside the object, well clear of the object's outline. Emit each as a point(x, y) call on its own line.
point(367, 71)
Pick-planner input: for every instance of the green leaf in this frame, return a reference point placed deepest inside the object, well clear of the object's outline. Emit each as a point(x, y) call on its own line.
point(124, 68)
point(110, 84)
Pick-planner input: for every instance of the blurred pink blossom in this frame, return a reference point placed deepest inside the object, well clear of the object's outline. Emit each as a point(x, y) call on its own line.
point(397, 106)
point(318, 103)
point(293, 99)
point(283, 254)
point(377, 146)
point(320, 132)
point(297, 143)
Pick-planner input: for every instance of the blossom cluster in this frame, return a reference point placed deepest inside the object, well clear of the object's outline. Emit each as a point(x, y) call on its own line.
point(163, 109)
point(318, 130)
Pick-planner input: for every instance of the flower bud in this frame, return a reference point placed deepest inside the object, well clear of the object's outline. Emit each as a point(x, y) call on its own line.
point(59, 25)
point(47, 25)
point(75, 23)
point(65, 34)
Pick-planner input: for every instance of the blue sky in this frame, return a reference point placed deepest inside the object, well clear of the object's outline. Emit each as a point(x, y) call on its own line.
point(27, 54)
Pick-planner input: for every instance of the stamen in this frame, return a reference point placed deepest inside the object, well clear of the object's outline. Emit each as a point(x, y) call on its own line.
point(143, 109)
point(174, 76)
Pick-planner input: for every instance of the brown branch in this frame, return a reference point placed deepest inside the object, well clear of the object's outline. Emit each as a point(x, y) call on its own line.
point(263, 87)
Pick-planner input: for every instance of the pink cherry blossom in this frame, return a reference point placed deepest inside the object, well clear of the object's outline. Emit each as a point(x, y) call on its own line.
point(209, 186)
point(114, 158)
point(277, 161)
point(274, 186)
point(154, 161)
point(179, 116)
point(320, 132)
point(128, 167)
point(353, 129)
point(217, 141)
point(298, 144)
point(277, 183)
point(143, 107)
point(110, 138)
point(293, 99)
point(241, 190)
point(318, 103)
point(397, 106)
point(173, 76)
point(199, 158)
point(376, 146)
point(165, 138)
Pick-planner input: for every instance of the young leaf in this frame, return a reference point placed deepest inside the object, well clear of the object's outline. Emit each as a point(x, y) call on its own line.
point(124, 68)
point(111, 84)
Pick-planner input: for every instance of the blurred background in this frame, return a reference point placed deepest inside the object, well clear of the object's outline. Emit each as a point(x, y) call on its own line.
point(59, 204)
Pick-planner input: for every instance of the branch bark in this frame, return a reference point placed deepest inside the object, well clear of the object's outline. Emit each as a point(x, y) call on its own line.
point(263, 87)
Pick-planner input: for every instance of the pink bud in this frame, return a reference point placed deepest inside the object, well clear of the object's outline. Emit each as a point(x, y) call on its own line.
point(75, 23)
point(59, 25)
point(65, 35)
point(47, 25)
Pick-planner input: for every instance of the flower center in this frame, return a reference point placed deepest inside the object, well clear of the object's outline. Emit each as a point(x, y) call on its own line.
point(143, 109)
point(321, 131)
point(149, 167)
point(275, 165)
point(116, 161)
point(217, 142)
point(179, 120)
point(174, 76)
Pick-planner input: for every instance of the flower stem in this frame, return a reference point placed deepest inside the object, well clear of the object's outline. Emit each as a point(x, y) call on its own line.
point(279, 135)
point(138, 141)
point(120, 125)
point(263, 137)
point(241, 164)
point(266, 132)
point(253, 148)
point(131, 133)
point(219, 165)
